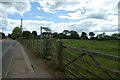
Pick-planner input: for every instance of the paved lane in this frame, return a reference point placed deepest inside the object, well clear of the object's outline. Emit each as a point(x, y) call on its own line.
point(0, 59)
point(7, 53)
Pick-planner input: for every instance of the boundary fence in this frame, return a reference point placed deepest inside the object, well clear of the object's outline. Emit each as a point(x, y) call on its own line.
point(86, 64)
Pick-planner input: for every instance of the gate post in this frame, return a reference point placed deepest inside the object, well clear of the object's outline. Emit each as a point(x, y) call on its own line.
point(46, 48)
point(59, 54)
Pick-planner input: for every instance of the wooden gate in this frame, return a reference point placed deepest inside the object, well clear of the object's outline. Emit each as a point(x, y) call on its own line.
point(81, 63)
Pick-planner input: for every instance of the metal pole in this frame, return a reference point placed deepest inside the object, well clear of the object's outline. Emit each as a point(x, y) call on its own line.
point(41, 39)
point(21, 28)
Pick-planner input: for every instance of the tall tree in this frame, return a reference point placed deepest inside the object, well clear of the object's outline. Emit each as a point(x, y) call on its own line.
point(66, 32)
point(9, 35)
point(34, 33)
point(61, 36)
point(84, 35)
point(27, 34)
point(16, 32)
point(115, 36)
point(2, 35)
point(91, 34)
point(101, 36)
point(55, 35)
point(73, 35)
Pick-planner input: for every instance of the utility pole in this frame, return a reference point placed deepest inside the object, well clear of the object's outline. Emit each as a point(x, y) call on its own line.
point(21, 28)
point(41, 38)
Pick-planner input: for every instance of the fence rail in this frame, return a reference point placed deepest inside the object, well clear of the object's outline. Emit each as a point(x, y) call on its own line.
point(111, 57)
point(77, 65)
point(93, 55)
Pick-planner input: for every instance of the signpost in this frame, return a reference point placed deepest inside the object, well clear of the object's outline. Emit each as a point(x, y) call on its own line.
point(46, 29)
point(41, 39)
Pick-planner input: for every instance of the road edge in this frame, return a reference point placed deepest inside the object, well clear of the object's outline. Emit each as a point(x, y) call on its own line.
point(27, 60)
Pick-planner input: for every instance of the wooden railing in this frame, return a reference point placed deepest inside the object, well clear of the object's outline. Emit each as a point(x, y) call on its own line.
point(87, 52)
point(75, 68)
point(35, 46)
point(78, 62)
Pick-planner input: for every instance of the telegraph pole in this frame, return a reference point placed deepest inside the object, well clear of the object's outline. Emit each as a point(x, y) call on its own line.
point(21, 28)
point(41, 38)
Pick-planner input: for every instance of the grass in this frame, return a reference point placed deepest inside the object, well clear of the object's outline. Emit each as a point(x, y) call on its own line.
point(106, 47)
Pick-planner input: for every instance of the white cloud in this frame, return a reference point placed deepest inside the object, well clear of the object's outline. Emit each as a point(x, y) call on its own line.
point(39, 17)
point(38, 8)
point(8, 8)
point(88, 25)
point(52, 5)
point(73, 15)
point(18, 0)
point(70, 5)
point(98, 14)
point(91, 15)
point(82, 9)
point(14, 7)
point(85, 25)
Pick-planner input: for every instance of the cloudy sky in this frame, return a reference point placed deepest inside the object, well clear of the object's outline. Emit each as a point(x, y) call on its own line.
point(80, 15)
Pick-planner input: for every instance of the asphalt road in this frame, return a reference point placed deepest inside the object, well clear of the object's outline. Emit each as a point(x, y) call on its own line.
point(16, 63)
point(0, 59)
point(8, 47)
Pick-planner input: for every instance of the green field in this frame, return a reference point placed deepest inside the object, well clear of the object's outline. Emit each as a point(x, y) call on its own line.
point(105, 47)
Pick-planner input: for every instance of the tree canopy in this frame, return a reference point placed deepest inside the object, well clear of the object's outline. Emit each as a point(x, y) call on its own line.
point(55, 35)
point(73, 35)
point(91, 34)
point(34, 33)
point(9, 35)
point(115, 36)
point(66, 34)
point(16, 33)
point(2, 35)
point(84, 35)
point(27, 34)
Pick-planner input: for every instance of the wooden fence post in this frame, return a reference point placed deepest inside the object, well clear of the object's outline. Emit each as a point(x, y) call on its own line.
point(36, 45)
point(31, 43)
point(45, 48)
point(59, 54)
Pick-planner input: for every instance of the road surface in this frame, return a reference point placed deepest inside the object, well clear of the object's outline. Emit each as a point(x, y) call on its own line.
point(0, 59)
point(7, 53)
point(17, 64)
